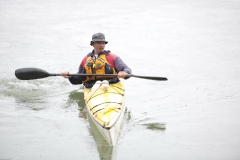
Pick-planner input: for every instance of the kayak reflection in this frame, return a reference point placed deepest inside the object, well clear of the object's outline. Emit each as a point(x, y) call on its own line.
point(77, 96)
point(106, 151)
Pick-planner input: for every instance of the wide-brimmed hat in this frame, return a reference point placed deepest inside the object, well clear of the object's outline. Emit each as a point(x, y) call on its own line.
point(98, 37)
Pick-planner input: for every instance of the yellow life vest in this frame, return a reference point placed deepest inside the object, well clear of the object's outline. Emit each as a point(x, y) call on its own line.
point(98, 66)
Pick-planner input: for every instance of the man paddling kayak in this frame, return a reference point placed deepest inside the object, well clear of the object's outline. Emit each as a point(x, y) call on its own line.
point(99, 61)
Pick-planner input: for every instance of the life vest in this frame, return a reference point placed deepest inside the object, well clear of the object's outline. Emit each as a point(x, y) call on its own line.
point(99, 65)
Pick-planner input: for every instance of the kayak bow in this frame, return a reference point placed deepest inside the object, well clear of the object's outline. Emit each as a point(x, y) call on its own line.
point(105, 107)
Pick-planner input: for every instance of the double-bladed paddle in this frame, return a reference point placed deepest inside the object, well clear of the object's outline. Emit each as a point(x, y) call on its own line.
point(36, 73)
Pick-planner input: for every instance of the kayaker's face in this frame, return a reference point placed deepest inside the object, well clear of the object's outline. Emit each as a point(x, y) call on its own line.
point(98, 47)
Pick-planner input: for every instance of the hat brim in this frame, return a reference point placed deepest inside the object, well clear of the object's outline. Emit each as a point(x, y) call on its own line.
point(98, 40)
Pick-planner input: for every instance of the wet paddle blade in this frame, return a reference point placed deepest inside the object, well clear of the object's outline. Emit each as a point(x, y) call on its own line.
point(150, 77)
point(30, 73)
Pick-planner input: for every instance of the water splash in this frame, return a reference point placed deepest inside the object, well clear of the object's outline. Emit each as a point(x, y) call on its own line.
point(33, 94)
point(34, 88)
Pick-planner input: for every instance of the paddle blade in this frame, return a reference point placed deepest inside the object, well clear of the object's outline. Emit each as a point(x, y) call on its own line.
point(150, 77)
point(30, 73)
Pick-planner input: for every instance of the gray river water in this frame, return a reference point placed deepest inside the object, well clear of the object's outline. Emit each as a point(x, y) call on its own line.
point(193, 115)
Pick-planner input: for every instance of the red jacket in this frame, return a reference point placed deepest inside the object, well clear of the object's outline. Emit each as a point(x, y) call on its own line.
point(115, 61)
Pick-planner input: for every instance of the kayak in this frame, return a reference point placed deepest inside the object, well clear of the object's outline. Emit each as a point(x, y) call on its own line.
point(106, 151)
point(105, 107)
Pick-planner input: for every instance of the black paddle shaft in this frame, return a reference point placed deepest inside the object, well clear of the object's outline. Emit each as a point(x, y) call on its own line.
point(36, 73)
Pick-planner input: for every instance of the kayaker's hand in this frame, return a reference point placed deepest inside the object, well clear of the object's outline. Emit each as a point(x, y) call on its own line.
point(65, 74)
point(122, 74)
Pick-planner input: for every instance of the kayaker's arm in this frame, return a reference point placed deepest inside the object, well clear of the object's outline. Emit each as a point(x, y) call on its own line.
point(77, 79)
point(121, 66)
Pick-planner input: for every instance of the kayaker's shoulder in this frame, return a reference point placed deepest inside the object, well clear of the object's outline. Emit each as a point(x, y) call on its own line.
point(111, 55)
point(90, 54)
point(84, 61)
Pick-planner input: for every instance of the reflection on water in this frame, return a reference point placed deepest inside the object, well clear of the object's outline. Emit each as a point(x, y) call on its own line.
point(77, 96)
point(106, 152)
point(155, 126)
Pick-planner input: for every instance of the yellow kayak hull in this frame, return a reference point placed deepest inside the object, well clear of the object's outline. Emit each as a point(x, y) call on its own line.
point(105, 107)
